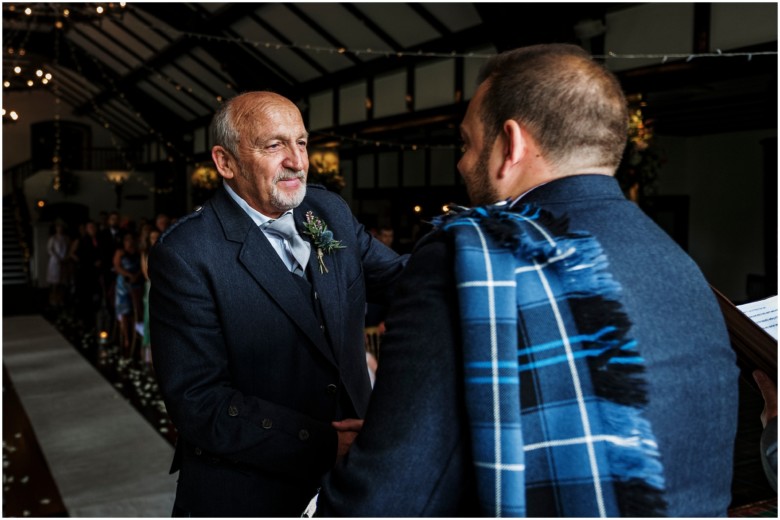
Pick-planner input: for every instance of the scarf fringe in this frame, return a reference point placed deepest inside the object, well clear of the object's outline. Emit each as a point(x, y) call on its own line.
point(617, 370)
point(617, 373)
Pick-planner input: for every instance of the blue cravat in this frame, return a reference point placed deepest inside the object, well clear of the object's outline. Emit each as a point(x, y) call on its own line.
point(297, 248)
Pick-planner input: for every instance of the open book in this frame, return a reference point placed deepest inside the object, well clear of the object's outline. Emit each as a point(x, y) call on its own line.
point(764, 313)
point(753, 331)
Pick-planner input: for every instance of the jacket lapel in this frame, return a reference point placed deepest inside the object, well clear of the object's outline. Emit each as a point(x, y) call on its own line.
point(327, 285)
point(262, 262)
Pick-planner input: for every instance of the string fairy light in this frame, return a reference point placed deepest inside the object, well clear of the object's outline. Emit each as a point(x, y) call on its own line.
point(370, 52)
point(687, 56)
point(57, 182)
point(272, 45)
point(384, 144)
point(454, 54)
point(100, 114)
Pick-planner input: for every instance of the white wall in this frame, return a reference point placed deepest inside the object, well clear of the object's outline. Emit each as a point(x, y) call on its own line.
point(723, 175)
point(35, 106)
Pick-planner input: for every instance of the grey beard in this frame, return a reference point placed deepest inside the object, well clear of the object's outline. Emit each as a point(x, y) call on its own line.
point(285, 201)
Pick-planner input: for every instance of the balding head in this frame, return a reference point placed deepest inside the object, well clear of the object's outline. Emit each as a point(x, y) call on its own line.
point(572, 106)
point(237, 114)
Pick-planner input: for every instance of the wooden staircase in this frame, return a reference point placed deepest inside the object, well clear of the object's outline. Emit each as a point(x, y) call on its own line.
point(19, 296)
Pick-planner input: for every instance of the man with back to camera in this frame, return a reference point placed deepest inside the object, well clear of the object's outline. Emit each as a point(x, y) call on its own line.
point(257, 305)
point(551, 352)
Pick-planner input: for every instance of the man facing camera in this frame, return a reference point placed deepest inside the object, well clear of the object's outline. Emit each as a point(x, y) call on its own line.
point(550, 352)
point(257, 306)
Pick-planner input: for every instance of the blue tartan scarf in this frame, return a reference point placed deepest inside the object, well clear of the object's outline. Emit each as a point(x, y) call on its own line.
point(554, 388)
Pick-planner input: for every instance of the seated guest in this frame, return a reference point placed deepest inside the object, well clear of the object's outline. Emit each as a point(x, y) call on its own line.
point(551, 352)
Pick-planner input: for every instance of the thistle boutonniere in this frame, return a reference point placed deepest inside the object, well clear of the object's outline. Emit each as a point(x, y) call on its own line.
point(322, 238)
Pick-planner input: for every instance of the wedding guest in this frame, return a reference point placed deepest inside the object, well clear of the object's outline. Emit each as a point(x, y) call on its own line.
point(146, 246)
point(57, 271)
point(87, 258)
point(257, 303)
point(129, 286)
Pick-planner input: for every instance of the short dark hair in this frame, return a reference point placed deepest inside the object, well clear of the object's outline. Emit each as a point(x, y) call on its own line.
point(571, 105)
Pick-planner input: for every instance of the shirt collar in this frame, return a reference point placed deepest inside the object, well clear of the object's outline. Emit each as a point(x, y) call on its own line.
point(258, 218)
point(517, 199)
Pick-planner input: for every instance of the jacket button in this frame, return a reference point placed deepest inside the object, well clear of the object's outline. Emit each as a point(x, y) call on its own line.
point(332, 389)
point(232, 411)
point(198, 452)
point(303, 435)
point(322, 328)
point(267, 423)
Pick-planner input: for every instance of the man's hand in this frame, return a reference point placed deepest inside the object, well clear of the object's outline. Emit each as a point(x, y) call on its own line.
point(347, 430)
point(769, 392)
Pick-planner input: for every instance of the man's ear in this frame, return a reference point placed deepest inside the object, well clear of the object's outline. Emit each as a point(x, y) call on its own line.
point(223, 161)
point(514, 146)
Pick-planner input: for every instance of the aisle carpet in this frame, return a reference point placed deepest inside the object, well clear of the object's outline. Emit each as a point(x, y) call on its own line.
point(106, 459)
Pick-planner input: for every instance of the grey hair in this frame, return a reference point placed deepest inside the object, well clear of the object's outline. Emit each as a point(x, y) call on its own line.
point(223, 130)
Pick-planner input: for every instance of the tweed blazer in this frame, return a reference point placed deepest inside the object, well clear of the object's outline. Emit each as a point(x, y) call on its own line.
point(413, 457)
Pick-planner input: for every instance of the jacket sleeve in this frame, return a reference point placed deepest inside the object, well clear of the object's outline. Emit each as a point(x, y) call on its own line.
point(191, 360)
point(381, 265)
point(412, 457)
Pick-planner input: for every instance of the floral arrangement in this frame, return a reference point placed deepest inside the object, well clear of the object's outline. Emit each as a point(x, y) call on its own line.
point(638, 170)
point(322, 238)
point(325, 170)
point(205, 177)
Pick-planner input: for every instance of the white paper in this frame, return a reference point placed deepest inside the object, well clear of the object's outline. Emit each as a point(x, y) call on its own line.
point(763, 313)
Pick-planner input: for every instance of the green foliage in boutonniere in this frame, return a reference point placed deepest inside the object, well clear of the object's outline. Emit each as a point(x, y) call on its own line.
point(322, 238)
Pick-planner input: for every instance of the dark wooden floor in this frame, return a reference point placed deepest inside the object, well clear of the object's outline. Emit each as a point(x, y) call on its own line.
point(28, 487)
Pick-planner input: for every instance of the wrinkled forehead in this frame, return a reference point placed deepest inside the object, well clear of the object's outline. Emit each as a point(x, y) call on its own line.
point(263, 112)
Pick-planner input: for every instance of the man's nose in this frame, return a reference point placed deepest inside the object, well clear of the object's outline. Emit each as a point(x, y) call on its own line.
point(296, 159)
